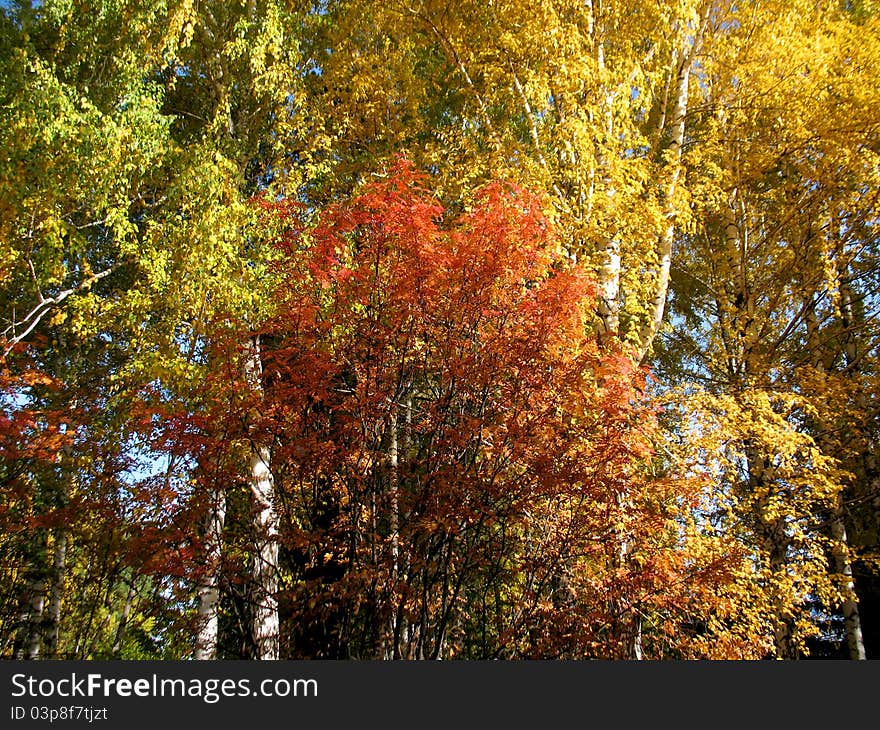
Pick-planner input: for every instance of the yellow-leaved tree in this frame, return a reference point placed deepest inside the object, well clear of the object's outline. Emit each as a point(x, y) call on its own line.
point(774, 287)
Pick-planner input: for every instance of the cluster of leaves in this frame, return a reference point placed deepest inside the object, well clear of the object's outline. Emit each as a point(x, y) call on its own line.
point(460, 470)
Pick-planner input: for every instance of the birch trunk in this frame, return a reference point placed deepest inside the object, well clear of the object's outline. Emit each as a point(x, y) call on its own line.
point(265, 625)
point(394, 527)
point(840, 553)
point(608, 304)
point(843, 567)
point(609, 272)
point(33, 601)
point(681, 95)
point(56, 593)
point(35, 620)
point(208, 596)
point(31, 621)
point(265, 620)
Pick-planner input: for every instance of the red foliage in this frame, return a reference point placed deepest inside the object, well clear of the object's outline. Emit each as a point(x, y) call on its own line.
point(457, 461)
point(32, 436)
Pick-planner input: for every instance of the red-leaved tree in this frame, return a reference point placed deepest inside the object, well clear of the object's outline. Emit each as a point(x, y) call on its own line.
point(459, 469)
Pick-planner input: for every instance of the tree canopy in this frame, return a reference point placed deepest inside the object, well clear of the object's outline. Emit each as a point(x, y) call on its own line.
point(431, 330)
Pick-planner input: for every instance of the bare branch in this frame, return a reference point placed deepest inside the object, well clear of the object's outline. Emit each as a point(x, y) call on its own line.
point(35, 316)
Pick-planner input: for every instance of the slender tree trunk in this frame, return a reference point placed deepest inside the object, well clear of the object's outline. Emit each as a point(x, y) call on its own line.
point(394, 529)
point(123, 620)
point(208, 596)
point(265, 622)
point(608, 305)
point(401, 627)
point(775, 544)
point(840, 553)
point(33, 602)
point(681, 95)
point(632, 622)
point(31, 621)
point(637, 640)
point(52, 622)
point(37, 593)
point(56, 593)
point(843, 567)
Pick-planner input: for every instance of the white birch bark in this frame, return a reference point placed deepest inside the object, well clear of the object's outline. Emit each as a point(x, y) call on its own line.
point(265, 623)
point(681, 96)
point(208, 595)
point(840, 551)
point(265, 620)
point(608, 306)
point(843, 567)
point(394, 527)
point(35, 620)
point(31, 620)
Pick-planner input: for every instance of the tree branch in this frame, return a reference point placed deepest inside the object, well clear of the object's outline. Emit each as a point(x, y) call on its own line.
point(45, 305)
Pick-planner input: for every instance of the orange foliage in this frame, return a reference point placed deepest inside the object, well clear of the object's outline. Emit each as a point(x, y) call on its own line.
point(462, 471)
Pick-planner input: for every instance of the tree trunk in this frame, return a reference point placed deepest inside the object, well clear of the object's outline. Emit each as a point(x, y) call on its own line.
point(33, 601)
point(208, 597)
point(843, 567)
point(123, 620)
point(775, 544)
point(31, 621)
point(265, 626)
point(681, 95)
point(608, 304)
point(840, 552)
point(56, 593)
point(265, 620)
point(394, 528)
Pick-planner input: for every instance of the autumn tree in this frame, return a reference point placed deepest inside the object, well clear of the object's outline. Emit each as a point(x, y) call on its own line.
point(763, 292)
point(707, 176)
point(450, 444)
point(586, 101)
point(123, 192)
